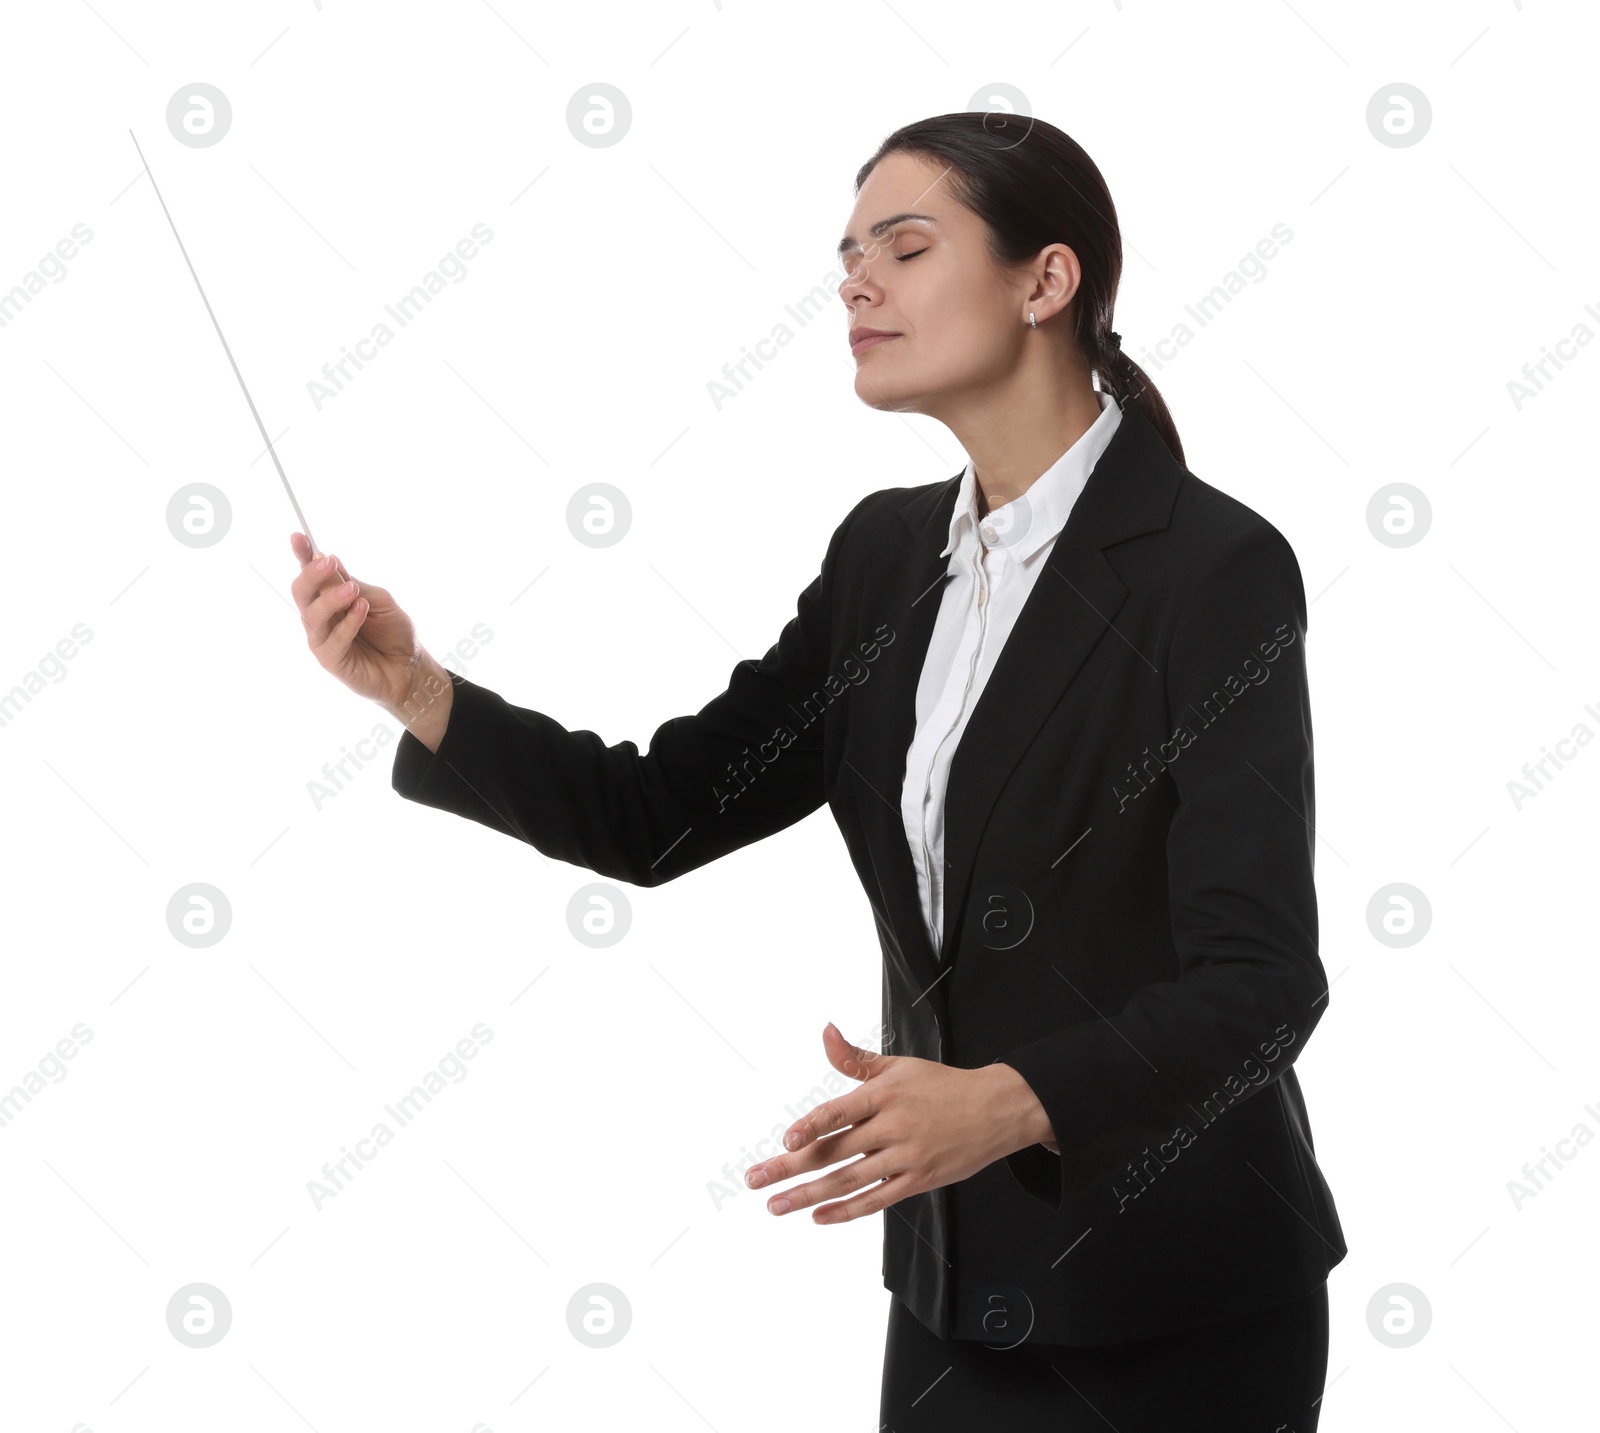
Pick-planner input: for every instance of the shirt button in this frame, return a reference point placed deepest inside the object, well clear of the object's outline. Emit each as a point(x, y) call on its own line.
point(989, 534)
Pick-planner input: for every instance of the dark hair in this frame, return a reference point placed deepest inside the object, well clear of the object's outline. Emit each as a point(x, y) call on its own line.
point(1034, 185)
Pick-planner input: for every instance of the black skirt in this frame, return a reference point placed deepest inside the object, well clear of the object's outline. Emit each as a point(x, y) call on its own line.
point(1263, 1371)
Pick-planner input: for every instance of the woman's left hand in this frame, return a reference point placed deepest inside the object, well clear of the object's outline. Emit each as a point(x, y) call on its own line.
point(917, 1124)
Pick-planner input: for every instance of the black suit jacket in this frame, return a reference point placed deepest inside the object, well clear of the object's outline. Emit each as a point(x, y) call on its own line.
point(1129, 914)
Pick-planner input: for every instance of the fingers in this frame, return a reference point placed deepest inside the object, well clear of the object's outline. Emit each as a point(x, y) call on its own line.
point(309, 579)
point(332, 602)
point(330, 606)
point(327, 603)
point(321, 595)
point(305, 553)
point(313, 562)
point(849, 1109)
point(881, 1195)
point(332, 648)
point(819, 1154)
point(865, 1178)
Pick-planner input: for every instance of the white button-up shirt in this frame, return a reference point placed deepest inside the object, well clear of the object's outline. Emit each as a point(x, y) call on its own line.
point(994, 563)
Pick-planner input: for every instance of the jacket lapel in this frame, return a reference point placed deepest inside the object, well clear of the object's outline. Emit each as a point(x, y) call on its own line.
point(905, 594)
point(1073, 604)
point(1073, 601)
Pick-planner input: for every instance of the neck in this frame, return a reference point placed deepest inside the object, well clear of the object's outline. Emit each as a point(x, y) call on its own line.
point(1018, 429)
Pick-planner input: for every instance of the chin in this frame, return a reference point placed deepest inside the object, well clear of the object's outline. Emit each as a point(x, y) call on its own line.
point(885, 394)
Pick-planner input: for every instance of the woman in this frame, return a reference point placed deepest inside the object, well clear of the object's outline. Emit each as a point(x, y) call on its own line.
point(1058, 707)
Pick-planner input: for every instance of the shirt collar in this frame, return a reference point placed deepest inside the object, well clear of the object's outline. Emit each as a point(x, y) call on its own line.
point(1026, 523)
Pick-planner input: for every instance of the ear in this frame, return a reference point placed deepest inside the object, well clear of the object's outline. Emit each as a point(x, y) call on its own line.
point(1056, 281)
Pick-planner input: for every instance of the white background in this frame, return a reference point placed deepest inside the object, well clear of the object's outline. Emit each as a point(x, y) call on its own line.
point(370, 935)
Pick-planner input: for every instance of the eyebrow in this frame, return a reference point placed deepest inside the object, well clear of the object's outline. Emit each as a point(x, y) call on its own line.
point(849, 242)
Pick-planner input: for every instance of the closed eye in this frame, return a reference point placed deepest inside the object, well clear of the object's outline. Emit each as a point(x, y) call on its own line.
point(913, 254)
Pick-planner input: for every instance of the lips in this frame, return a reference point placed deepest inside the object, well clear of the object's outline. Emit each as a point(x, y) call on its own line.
point(865, 338)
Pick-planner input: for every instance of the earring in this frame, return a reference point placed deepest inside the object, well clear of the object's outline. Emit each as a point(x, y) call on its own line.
point(1031, 323)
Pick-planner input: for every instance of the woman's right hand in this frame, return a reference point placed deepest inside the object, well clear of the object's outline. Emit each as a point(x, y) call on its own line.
point(360, 635)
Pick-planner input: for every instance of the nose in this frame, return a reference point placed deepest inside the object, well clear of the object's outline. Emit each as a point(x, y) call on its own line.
point(858, 290)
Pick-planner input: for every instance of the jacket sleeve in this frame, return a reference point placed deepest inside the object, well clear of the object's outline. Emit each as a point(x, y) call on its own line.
point(1240, 850)
point(746, 765)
